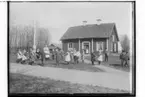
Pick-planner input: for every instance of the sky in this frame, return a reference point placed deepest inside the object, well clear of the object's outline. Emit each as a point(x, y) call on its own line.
point(58, 17)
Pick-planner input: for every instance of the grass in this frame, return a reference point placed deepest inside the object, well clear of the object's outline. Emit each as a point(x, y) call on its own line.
point(80, 66)
point(114, 62)
point(19, 83)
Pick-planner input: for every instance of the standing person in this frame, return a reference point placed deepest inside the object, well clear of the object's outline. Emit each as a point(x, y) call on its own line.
point(31, 56)
point(122, 58)
point(67, 57)
point(100, 59)
point(46, 51)
point(42, 56)
point(53, 54)
point(57, 56)
point(126, 58)
point(77, 56)
point(92, 58)
point(72, 55)
point(82, 55)
point(38, 54)
point(106, 56)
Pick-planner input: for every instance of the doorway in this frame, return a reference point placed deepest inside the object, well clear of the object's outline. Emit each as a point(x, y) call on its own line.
point(86, 47)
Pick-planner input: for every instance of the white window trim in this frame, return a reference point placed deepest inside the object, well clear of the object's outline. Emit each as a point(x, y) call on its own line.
point(86, 42)
point(68, 45)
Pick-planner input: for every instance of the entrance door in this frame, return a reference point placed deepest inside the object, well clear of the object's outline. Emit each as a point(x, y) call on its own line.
point(86, 47)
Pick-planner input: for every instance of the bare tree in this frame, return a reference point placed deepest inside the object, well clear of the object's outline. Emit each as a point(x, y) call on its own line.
point(23, 36)
point(125, 43)
point(42, 37)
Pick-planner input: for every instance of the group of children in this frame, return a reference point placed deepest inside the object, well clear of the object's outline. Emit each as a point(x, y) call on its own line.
point(72, 56)
point(25, 56)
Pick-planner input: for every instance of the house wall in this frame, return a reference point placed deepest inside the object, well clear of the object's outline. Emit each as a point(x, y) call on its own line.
point(64, 45)
point(75, 44)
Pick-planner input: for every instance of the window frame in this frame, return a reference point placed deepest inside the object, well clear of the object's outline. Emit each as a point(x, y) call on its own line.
point(69, 45)
point(99, 44)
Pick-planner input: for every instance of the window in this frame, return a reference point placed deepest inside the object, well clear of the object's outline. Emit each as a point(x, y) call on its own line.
point(70, 45)
point(99, 46)
point(115, 47)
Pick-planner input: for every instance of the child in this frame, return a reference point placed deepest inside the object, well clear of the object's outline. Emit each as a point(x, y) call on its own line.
point(100, 59)
point(19, 56)
point(38, 54)
point(67, 58)
point(31, 56)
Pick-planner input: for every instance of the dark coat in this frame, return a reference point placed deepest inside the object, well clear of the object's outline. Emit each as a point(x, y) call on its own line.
point(92, 57)
point(57, 56)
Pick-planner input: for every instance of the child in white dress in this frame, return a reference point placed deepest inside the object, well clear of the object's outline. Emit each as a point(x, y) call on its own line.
point(67, 58)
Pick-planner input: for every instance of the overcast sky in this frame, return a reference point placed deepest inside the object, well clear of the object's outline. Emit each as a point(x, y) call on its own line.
point(58, 17)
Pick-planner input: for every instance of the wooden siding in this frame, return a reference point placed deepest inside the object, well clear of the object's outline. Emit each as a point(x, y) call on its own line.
point(76, 42)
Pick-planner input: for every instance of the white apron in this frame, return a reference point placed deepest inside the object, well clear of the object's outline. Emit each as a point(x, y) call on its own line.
point(100, 58)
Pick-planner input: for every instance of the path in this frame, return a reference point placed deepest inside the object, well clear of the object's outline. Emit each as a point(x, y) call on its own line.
point(111, 79)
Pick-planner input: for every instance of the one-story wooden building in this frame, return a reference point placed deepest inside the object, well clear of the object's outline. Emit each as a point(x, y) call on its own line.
point(91, 37)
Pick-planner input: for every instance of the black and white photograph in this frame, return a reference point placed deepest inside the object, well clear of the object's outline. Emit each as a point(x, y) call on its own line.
point(71, 48)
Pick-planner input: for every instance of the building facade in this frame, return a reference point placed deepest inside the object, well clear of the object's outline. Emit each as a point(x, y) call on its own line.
point(91, 38)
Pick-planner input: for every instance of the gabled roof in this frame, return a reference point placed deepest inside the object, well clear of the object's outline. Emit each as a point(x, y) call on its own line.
point(103, 30)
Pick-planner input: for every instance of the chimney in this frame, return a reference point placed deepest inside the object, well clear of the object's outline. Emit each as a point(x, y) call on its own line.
point(99, 21)
point(84, 23)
